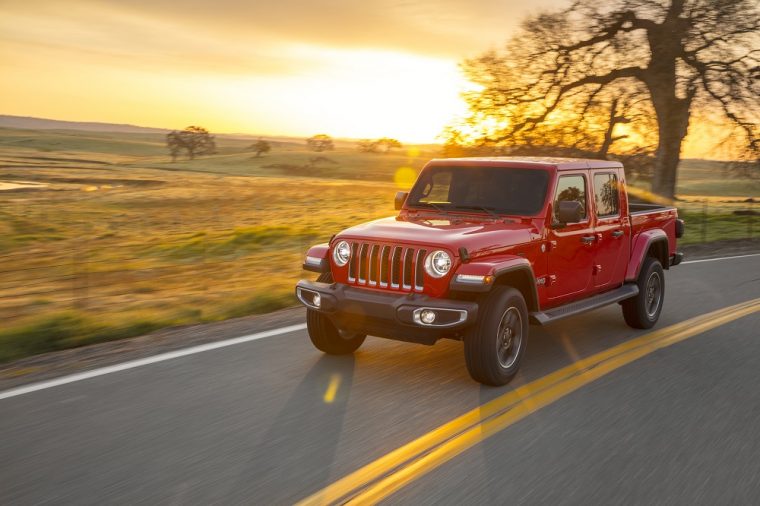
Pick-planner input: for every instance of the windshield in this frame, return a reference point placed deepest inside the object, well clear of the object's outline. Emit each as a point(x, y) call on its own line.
point(503, 190)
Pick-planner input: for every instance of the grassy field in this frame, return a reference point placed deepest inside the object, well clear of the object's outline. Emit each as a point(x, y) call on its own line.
point(103, 237)
point(698, 179)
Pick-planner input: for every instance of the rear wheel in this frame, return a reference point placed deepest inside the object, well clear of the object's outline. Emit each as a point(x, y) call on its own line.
point(494, 347)
point(643, 311)
point(325, 336)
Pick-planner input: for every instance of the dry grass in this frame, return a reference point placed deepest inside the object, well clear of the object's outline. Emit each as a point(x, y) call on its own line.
point(186, 241)
point(120, 241)
point(108, 248)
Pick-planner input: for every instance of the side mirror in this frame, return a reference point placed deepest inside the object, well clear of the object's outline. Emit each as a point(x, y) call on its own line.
point(400, 199)
point(570, 211)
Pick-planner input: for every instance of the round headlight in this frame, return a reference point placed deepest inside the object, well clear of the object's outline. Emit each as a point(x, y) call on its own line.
point(438, 263)
point(341, 253)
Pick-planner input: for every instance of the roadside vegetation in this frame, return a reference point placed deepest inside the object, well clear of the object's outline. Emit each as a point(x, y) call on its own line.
point(104, 237)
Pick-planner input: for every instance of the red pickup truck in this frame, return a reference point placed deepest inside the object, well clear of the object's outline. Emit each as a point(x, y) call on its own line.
point(482, 247)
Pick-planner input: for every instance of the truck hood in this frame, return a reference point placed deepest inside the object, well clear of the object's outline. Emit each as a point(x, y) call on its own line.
point(451, 233)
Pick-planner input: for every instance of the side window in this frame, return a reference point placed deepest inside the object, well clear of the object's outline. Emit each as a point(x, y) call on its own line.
point(437, 189)
point(571, 188)
point(606, 194)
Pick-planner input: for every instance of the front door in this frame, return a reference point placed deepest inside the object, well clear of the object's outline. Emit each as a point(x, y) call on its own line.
point(571, 253)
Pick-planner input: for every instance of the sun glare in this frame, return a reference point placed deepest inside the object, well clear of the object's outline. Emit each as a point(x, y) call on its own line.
point(358, 94)
point(404, 177)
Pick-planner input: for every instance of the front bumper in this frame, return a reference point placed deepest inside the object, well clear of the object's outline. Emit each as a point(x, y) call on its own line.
point(390, 315)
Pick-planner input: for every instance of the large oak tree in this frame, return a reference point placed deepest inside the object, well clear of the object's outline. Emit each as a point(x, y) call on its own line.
point(600, 72)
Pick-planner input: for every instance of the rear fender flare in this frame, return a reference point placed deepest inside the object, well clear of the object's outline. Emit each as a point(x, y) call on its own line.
point(641, 247)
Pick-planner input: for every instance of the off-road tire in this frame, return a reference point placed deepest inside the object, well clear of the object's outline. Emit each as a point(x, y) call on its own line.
point(643, 311)
point(323, 333)
point(490, 359)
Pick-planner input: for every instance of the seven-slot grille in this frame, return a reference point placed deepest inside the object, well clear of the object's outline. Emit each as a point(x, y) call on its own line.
point(394, 267)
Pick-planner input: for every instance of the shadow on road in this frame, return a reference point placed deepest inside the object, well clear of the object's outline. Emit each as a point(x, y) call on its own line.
point(294, 456)
point(549, 349)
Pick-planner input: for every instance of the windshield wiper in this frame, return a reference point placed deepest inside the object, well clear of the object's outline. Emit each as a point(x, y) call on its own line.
point(430, 204)
point(489, 210)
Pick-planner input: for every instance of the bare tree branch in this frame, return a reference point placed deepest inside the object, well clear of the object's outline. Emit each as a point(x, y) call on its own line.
point(570, 77)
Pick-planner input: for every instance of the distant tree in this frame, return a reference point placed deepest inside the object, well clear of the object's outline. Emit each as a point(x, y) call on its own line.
point(194, 140)
point(174, 143)
point(387, 143)
point(260, 146)
point(320, 142)
point(373, 146)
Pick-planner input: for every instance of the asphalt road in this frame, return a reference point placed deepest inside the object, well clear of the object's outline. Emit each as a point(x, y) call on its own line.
point(272, 421)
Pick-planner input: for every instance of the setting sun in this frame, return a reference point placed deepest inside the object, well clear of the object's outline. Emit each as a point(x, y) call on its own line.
point(352, 93)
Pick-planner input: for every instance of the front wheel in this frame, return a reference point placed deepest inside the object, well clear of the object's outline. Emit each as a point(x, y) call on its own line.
point(495, 346)
point(643, 311)
point(325, 336)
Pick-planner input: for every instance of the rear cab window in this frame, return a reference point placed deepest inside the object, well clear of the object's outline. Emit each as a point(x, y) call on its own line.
point(606, 194)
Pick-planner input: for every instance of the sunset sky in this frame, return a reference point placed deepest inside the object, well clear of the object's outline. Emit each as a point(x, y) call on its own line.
point(293, 67)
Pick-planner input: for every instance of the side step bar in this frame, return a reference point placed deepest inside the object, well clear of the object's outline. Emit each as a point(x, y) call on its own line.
point(574, 308)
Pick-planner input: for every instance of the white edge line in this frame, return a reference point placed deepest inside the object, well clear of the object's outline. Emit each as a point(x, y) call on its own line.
point(719, 258)
point(131, 364)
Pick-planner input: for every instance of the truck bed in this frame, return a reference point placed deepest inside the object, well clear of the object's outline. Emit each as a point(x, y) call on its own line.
point(649, 216)
point(640, 208)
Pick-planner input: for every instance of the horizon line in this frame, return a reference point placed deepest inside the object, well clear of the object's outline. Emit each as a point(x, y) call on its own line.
point(166, 129)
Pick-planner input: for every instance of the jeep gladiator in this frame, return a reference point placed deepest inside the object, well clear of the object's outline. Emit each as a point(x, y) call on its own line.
point(483, 247)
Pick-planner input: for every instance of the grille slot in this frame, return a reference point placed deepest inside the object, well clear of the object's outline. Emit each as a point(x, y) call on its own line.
point(385, 265)
point(373, 264)
point(408, 268)
point(396, 268)
point(363, 264)
point(419, 269)
point(392, 267)
point(354, 260)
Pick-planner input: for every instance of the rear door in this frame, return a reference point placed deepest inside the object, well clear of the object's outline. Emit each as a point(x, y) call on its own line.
point(571, 253)
point(612, 230)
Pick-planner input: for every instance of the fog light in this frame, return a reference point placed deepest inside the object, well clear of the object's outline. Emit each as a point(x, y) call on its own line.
point(427, 316)
point(316, 300)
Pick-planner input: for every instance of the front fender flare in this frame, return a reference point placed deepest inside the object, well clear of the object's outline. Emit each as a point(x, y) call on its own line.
point(495, 268)
point(317, 258)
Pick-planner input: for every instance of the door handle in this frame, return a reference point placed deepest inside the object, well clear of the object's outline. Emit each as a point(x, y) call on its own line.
point(617, 233)
point(588, 239)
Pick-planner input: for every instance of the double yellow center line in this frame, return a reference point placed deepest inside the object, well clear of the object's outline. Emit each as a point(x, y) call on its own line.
point(389, 473)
